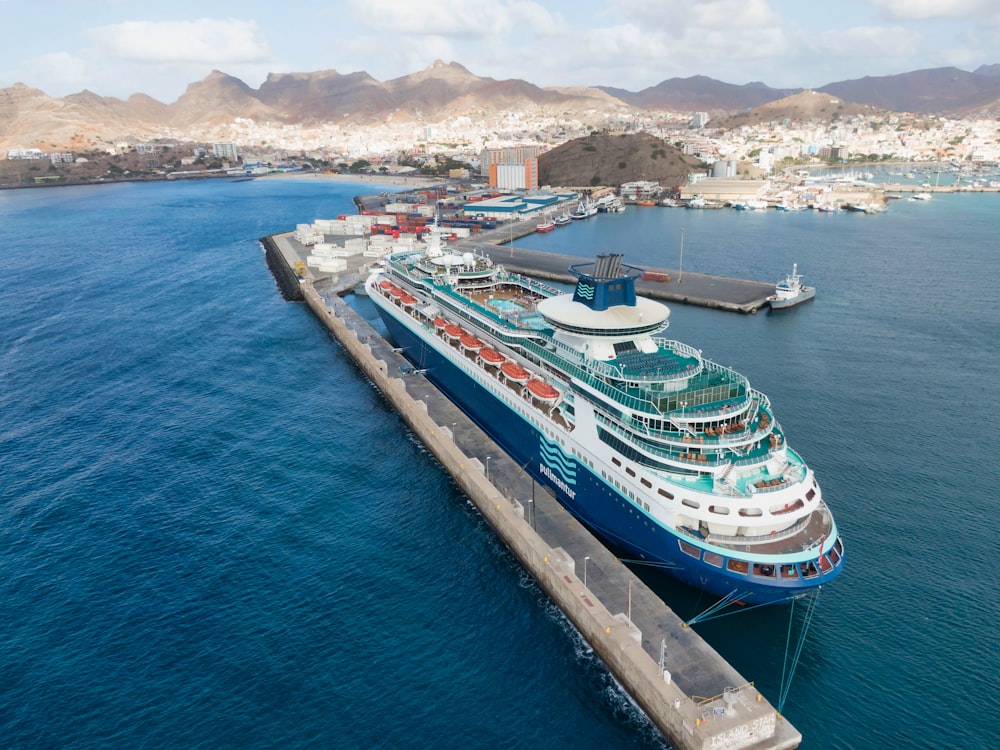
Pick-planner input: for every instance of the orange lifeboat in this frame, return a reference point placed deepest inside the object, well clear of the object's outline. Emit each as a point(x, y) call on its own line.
point(407, 299)
point(514, 372)
point(468, 341)
point(542, 390)
point(454, 331)
point(440, 322)
point(396, 291)
point(385, 284)
point(490, 357)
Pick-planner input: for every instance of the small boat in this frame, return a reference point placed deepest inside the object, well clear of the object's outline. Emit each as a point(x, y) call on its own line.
point(515, 372)
point(584, 210)
point(542, 391)
point(605, 202)
point(491, 357)
point(920, 197)
point(562, 220)
point(545, 226)
point(790, 291)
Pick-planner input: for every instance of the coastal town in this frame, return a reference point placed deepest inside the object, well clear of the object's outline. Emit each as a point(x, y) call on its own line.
point(828, 132)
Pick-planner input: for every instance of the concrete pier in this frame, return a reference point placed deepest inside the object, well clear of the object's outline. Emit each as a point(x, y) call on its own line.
point(699, 701)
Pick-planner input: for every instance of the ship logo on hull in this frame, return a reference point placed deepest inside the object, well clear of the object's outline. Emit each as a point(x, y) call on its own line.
point(585, 290)
point(557, 466)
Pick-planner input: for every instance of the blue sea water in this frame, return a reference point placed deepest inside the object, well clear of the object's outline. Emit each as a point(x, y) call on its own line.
point(214, 532)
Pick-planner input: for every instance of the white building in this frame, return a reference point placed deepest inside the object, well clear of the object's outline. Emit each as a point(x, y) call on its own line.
point(225, 151)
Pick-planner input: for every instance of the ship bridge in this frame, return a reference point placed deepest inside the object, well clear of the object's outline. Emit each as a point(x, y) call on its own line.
point(603, 315)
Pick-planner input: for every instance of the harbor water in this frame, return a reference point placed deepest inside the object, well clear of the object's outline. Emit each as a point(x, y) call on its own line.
point(216, 534)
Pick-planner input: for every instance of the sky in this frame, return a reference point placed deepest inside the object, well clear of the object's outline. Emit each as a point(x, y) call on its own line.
point(121, 47)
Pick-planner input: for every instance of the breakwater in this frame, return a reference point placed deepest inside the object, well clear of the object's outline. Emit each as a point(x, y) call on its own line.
point(732, 713)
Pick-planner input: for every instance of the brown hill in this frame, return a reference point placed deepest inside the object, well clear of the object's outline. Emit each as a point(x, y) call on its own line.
point(29, 118)
point(613, 160)
point(325, 95)
point(933, 90)
point(699, 94)
point(217, 99)
point(806, 106)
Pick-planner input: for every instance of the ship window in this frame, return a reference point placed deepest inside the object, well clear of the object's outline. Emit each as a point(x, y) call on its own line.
point(665, 494)
point(737, 566)
point(688, 503)
point(810, 494)
point(777, 510)
point(761, 569)
point(721, 510)
point(615, 461)
point(630, 471)
point(646, 483)
point(689, 549)
point(751, 512)
point(713, 559)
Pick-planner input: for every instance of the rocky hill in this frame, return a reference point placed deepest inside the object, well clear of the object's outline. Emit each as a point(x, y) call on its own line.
point(935, 90)
point(699, 94)
point(805, 106)
point(613, 160)
point(31, 119)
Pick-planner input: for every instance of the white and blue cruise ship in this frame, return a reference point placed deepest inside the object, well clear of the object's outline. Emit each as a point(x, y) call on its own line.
point(670, 457)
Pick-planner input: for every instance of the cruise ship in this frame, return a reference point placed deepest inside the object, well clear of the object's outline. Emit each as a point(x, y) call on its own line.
point(672, 459)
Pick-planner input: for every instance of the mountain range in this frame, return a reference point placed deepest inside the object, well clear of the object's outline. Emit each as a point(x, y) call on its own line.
point(29, 118)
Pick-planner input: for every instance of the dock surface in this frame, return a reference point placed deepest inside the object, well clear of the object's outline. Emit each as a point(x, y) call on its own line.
point(719, 292)
point(699, 701)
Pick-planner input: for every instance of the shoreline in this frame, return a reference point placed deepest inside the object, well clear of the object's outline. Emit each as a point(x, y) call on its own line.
point(401, 181)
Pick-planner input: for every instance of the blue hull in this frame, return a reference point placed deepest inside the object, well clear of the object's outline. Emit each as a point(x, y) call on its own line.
point(583, 493)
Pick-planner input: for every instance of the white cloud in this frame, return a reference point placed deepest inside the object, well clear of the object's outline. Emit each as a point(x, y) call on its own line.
point(867, 42)
point(679, 17)
point(206, 40)
point(455, 18)
point(925, 10)
point(57, 71)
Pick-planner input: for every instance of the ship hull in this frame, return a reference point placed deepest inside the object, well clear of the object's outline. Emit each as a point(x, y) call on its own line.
point(590, 499)
point(784, 304)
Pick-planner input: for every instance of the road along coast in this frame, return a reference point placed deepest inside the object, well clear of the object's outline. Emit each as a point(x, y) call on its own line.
point(694, 697)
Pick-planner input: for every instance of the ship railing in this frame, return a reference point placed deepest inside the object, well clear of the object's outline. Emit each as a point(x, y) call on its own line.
point(574, 369)
point(796, 528)
point(630, 435)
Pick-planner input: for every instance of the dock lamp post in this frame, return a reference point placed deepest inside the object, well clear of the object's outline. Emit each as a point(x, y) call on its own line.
point(585, 560)
point(680, 264)
point(488, 468)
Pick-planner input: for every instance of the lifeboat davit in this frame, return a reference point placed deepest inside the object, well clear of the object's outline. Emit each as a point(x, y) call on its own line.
point(542, 390)
point(491, 357)
point(454, 331)
point(514, 372)
point(440, 322)
point(468, 341)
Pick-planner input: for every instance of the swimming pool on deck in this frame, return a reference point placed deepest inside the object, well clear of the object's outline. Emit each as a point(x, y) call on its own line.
point(511, 309)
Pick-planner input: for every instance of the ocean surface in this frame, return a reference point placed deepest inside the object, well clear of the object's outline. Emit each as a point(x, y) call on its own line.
point(215, 533)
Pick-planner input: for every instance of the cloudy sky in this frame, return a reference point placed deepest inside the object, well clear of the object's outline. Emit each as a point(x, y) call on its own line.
point(120, 47)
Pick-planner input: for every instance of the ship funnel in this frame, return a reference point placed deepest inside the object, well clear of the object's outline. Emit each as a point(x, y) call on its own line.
point(605, 283)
